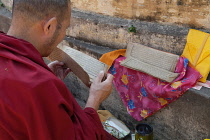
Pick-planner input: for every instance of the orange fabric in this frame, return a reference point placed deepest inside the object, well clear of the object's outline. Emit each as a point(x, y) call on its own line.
point(108, 58)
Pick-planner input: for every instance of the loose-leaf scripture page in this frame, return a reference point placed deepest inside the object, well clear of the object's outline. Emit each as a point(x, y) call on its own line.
point(78, 62)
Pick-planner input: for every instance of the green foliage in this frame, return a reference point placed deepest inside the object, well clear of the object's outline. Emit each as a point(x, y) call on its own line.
point(132, 29)
point(1, 4)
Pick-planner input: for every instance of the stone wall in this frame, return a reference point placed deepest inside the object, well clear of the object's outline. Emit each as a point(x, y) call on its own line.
point(194, 13)
point(113, 32)
point(8, 3)
point(190, 13)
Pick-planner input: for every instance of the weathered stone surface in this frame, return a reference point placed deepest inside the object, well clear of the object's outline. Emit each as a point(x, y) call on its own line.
point(181, 12)
point(184, 119)
point(86, 47)
point(5, 19)
point(113, 32)
point(8, 3)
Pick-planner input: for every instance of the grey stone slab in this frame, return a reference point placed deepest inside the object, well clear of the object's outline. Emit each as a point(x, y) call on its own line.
point(89, 48)
point(5, 19)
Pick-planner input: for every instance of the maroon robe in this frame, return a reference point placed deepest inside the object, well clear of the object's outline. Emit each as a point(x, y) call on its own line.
point(34, 103)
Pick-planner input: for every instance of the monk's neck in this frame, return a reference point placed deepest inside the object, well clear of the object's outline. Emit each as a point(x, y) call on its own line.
point(25, 35)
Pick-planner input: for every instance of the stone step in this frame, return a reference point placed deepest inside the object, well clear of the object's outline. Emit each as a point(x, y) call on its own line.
point(91, 49)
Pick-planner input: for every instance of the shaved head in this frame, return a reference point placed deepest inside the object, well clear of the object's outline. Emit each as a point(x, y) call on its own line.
point(43, 23)
point(36, 10)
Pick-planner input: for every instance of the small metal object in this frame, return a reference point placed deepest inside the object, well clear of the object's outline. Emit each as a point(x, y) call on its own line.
point(132, 136)
point(144, 132)
point(116, 128)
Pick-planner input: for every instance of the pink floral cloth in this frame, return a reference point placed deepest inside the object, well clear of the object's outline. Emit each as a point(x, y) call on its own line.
point(143, 94)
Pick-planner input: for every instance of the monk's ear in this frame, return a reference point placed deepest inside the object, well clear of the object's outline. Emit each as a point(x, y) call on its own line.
point(50, 26)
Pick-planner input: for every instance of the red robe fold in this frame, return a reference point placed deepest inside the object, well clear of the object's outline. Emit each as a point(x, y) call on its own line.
point(34, 103)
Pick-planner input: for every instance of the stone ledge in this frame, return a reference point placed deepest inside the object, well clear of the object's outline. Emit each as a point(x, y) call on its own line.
point(91, 49)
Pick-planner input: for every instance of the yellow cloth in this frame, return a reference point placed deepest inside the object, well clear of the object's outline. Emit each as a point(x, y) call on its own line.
point(104, 115)
point(108, 58)
point(197, 50)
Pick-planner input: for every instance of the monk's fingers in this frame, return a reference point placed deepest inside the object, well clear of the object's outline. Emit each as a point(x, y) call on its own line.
point(55, 63)
point(67, 72)
point(109, 78)
point(100, 76)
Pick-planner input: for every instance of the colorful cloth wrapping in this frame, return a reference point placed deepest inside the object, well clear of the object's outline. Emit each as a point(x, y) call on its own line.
point(143, 95)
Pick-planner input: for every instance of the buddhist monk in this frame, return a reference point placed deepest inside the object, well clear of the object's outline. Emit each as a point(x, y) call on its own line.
point(35, 104)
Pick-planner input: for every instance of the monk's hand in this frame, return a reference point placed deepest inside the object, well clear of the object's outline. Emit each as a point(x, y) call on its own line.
point(100, 89)
point(59, 69)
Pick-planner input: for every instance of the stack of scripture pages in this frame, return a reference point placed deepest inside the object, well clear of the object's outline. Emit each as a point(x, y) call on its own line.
point(151, 61)
point(85, 67)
